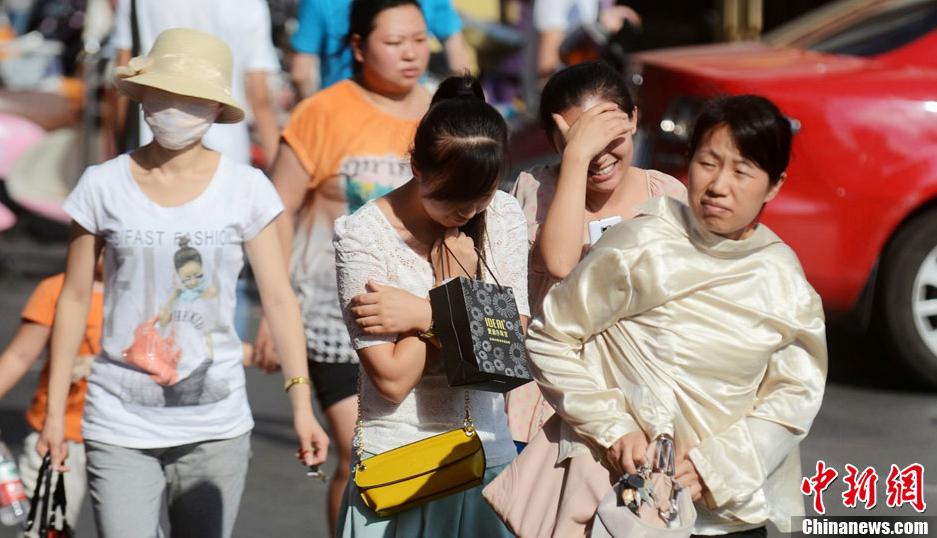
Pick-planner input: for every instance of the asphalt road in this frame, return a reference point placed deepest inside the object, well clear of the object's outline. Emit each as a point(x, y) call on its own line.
point(874, 414)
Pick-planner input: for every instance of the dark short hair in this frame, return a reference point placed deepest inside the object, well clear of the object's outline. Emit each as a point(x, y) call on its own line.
point(460, 147)
point(185, 254)
point(761, 132)
point(362, 15)
point(571, 86)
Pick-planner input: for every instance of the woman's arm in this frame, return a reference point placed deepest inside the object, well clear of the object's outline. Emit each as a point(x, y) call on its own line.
point(67, 332)
point(394, 362)
point(286, 326)
point(22, 352)
point(597, 294)
point(560, 241)
point(737, 461)
point(265, 121)
point(165, 314)
point(291, 182)
point(394, 369)
point(456, 54)
point(304, 73)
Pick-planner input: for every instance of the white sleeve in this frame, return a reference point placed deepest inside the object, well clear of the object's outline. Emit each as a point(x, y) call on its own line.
point(551, 14)
point(259, 52)
point(772, 442)
point(357, 260)
point(84, 203)
point(507, 235)
point(121, 37)
point(265, 205)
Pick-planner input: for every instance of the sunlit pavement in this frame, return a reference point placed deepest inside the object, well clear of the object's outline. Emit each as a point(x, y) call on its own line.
point(873, 415)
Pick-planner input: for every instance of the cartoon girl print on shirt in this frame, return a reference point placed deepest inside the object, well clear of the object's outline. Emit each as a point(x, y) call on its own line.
point(180, 339)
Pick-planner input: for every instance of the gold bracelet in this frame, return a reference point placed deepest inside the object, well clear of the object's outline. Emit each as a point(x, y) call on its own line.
point(296, 381)
point(428, 334)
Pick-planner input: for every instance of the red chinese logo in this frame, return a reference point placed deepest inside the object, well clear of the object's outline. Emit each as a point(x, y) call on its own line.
point(817, 483)
point(906, 486)
point(861, 487)
point(903, 486)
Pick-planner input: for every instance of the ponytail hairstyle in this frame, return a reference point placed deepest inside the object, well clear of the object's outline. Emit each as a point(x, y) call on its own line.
point(361, 19)
point(460, 148)
point(185, 254)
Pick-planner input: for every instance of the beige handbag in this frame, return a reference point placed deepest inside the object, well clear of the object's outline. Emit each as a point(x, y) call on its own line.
point(537, 497)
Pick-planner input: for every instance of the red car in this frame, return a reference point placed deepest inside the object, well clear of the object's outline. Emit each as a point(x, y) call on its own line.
point(858, 80)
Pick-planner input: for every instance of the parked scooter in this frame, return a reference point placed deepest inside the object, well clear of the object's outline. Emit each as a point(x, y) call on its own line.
point(61, 118)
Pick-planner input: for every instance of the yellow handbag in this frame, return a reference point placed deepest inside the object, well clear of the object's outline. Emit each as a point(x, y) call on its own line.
point(421, 471)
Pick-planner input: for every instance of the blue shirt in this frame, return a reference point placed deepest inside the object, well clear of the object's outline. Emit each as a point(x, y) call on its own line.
point(323, 25)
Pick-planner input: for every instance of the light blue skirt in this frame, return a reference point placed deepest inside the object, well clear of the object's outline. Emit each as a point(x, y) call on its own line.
point(460, 515)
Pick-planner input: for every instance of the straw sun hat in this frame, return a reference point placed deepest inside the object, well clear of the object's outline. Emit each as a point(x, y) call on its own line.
point(184, 62)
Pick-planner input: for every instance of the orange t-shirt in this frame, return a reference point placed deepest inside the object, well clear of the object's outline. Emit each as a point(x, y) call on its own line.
point(40, 308)
point(339, 134)
point(353, 152)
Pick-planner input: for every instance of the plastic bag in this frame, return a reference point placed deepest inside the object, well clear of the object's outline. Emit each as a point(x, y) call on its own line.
point(153, 353)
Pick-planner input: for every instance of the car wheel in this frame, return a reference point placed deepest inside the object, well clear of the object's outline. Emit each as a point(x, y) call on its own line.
point(907, 298)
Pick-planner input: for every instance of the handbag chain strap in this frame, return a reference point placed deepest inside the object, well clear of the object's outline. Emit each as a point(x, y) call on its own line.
point(467, 424)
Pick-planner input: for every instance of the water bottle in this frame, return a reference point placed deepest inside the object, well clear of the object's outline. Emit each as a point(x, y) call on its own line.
point(14, 505)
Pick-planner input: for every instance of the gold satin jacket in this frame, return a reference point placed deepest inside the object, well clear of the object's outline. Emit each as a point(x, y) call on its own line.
point(667, 327)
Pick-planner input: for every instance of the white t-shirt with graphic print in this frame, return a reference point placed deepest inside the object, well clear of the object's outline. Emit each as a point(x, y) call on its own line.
point(170, 277)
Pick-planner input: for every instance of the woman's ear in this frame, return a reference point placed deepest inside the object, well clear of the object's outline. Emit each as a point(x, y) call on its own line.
point(635, 117)
point(773, 190)
point(356, 48)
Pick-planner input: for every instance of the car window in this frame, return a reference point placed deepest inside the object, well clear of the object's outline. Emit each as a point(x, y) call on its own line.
point(882, 32)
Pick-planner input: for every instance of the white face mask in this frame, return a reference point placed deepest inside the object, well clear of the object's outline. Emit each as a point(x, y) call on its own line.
point(178, 123)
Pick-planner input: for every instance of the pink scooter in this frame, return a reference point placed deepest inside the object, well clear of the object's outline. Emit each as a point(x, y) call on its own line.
point(17, 135)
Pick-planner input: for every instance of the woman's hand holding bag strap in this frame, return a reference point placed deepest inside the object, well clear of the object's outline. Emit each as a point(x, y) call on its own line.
point(449, 248)
point(649, 504)
point(48, 519)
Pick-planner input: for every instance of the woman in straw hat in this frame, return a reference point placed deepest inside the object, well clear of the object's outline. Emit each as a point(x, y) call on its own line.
point(166, 406)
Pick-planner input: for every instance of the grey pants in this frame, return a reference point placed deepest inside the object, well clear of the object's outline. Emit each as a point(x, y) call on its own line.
point(202, 484)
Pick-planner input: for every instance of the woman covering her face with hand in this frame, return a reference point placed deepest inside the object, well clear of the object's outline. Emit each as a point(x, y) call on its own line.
point(696, 320)
point(166, 411)
point(590, 118)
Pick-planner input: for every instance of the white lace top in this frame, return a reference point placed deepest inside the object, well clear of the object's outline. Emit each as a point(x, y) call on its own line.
point(368, 247)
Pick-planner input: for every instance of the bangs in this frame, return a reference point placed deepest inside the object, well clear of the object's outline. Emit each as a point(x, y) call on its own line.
point(759, 130)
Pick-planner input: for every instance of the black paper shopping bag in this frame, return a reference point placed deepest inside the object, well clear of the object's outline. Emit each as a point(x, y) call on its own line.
point(479, 328)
